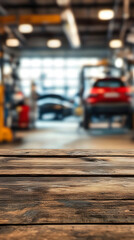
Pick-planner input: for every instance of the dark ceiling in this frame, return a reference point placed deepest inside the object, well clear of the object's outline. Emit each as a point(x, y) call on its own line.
point(93, 32)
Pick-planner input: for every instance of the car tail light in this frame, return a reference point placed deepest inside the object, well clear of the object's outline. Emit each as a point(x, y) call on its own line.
point(92, 98)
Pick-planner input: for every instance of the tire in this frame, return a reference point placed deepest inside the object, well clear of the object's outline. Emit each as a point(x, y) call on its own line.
point(131, 121)
point(86, 119)
point(40, 117)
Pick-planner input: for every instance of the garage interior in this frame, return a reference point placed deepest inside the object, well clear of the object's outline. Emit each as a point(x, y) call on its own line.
point(52, 52)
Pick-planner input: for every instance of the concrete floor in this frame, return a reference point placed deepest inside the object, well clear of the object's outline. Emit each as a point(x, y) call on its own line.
point(62, 135)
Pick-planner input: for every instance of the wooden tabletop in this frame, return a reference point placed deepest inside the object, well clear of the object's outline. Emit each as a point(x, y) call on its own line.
point(66, 195)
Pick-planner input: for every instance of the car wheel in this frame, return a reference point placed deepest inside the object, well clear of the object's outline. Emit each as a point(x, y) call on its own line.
point(40, 117)
point(131, 121)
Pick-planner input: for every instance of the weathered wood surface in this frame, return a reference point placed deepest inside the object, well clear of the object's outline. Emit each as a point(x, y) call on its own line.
point(65, 187)
point(65, 153)
point(67, 166)
point(73, 232)
point(66, 211)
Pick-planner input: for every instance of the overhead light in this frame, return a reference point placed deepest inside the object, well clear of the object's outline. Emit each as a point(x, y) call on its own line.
point(12, 42)
point(7, 69)
point(115, 43)
point(72, 35)
point(63, 2)
point(68, 16)
point(119, 62)
point(54, 43)
point(25, 28)
point(106, 14)
point(70, 28)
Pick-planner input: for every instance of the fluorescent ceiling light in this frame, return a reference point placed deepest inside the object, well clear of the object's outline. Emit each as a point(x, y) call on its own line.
point(12, 42)
point(119, 62)
point(106, 14)
point(70, 28)
point(115, 43)
point(72, 35)
point(63, 2)
point(68, 16)
point(25, 28)
point(54, 43)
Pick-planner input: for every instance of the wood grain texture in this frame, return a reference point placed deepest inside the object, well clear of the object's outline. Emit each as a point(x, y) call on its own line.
point(67, 166)
point(73, 188)
point(66, 211)
point(66, 153)
point(72, 232)
point(65, 187)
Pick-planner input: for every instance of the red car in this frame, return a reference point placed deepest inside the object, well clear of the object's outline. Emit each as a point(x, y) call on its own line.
point(108, 96)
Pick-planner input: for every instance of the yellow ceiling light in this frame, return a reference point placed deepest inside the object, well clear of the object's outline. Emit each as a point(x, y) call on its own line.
point(12, 42)
point(63, 2)
point(116, 43)
point(106, 14)
point(25, 28)
point(54, 43)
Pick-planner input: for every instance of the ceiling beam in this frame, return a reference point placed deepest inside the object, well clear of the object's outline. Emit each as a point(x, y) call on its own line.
point(87, 33)
point(111, 26)
point(55, 6)
point(31, 18)
point(93, 46)
point(91, 21)
point(3, 11)
point(53, 19)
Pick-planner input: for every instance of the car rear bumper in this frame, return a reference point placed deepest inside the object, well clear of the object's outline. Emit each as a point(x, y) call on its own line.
point(116, 108)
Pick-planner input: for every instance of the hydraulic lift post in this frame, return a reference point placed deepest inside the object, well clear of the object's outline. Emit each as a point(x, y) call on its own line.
point(6, 134)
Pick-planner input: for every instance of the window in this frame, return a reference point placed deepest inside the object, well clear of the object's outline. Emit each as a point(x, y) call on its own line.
point(112, 83)
point(52, 75)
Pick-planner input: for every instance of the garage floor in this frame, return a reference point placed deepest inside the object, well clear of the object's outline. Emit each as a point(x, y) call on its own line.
point(59, 135)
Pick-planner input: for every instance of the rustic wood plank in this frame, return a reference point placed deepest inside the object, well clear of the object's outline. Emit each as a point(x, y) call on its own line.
point(65, 153)
point(62, 197)
point(72, 232)
point(67, 166)
point(72, 188)
point(66, 211)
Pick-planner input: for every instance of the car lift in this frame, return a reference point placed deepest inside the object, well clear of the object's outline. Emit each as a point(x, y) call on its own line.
point(105, 63)
point(6, 134)
point(131, 64)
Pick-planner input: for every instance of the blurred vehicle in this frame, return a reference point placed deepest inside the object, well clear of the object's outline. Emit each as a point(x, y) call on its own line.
point(108, 97)
point(54, 106)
